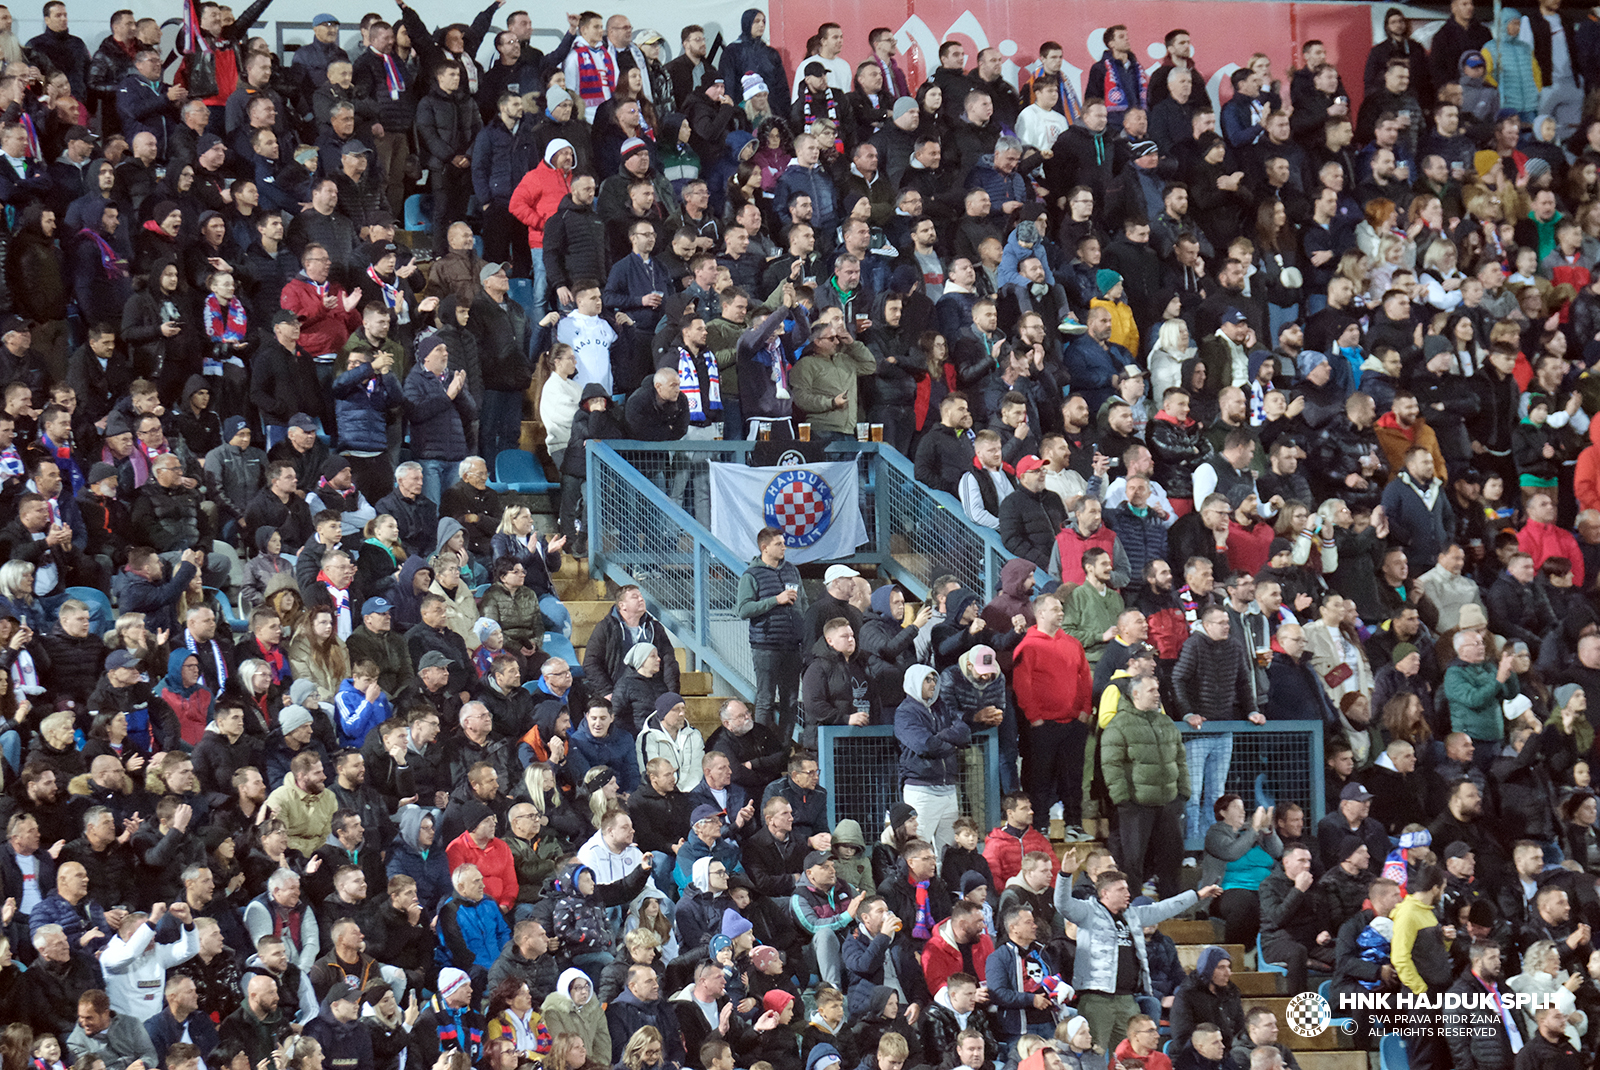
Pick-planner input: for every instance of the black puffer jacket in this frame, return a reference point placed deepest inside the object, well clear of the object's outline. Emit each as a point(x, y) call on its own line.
point(167, 519)
point(1029, 522)
point(943, 456)
point(502, 335)
point(1196, 1002)
point(75, 664)
point(1483, 1045)
point(447, 124)
point(1212, 680)
point(574, 244)
point(890, 648)
point(1177, 450)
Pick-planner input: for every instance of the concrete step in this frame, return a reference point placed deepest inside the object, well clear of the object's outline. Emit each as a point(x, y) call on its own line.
point(1202, 931)
point(694, 684)
point(703, 713)
point(1251, 983)
point(1331, 1060)
point(1189, 954)
point(1330, 1040)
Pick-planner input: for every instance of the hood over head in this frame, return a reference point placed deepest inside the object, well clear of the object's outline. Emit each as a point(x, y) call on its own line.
point(411, 816)
point(915, 677)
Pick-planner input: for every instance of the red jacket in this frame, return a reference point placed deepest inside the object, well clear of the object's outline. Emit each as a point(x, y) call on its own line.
point(1070, 545)
point(1248, 549)
point(1004, 852)
point(940, 958)
point(1050, 677)
point(499, 869)
point(537, 197)
point(1586, 477)
point(323, 330)
point(1543, 541)
point(1154, 1061)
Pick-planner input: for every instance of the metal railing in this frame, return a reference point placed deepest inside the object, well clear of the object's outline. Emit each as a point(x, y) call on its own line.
point(1283, 759)
point(860, 766)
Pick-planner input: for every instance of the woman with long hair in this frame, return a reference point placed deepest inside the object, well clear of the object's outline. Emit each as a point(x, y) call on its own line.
point(262, 699)
point(318, 654)
point(1278, 269)
point(380, 558)
point(270, 853)
point(512, 1017)
point(1172, 349)
point(300, 1052)
point(16, 595)
point(558, 397)
point(569, 1052)
point(541, 558)
point(643, 1052)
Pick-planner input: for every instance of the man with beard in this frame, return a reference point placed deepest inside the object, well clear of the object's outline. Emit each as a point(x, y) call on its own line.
point(1463, 822)
point(305, 809)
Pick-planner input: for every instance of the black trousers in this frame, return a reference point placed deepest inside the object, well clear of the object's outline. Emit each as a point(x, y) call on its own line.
point(1151, 838)
point(1052, 769)
point(505, 238)
point(452, 188)
point(1240, 911)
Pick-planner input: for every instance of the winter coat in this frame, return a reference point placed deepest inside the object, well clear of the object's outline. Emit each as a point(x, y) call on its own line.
point(471, 934)
point(1177, 451)
point(438, 422)
point(1142, 758)
point(1029, 522)
point(446, 125)
point(1144, 539)
point(363, 415)
point(609, 643)
point(931, 735)
point(430, 871)
point(1474, 694)
point(832, 689)
point(561, 1015)
point(1212, 679)
point(539, 194)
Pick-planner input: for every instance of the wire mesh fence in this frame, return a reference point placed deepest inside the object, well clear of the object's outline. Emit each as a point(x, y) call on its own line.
point(861, 767)
point(690, 580)
point(1272, 764)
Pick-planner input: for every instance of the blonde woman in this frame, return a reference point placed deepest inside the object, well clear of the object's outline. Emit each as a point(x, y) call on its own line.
point(1172, 348)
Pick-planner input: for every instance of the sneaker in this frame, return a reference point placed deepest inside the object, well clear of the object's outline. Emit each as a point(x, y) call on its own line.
point(1069, 325)
point(1057, 813)
point(1191, 860)
point(1149, 889)
point(1075, 834)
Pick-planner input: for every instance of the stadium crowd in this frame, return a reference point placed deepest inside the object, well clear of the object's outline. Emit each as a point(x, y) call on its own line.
point(1292, 401)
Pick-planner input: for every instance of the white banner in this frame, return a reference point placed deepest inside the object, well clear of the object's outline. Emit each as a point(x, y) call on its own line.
point(816, 506)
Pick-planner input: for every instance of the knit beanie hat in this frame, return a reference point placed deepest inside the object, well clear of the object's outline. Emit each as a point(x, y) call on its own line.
point(1105, 279)
point(1401, 652)
point(636, 654)
point(751, 84)
point(1308, 360)
point(734, 924)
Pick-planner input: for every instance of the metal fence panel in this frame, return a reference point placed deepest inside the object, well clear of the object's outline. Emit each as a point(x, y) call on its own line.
point(860, 766)
point(1287, 755)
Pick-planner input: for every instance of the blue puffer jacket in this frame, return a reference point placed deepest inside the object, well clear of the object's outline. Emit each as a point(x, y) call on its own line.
point(930, 736)
point(406, 859)
point(363, 415)
point(797, 178)
point(437, 423)
point(1000, 188)
point(614, 751)
point(1143, 538)
point(471, 935)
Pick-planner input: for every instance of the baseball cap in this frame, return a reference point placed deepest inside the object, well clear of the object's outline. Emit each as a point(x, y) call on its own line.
point(354, 148)
point(376, 605)
point(818, 858)
point(816, 68)
point(839, 572)
point(983, 659)
point(1233, 315)
point(301, 422)
point(1028, 464)
point(79, 133)
point(1458, 849)
point(703, 812)
point(283, 315)
point(342, 992)
point(1140, 650)
point(206, 143)
point(14, 323)
point(648, 37)
point(489, 271)
point(1354, 793)
point(434, 660)
point(324, 18)
point(121, 659)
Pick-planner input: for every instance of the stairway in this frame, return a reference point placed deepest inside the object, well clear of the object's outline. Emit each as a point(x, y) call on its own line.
point(589, 600)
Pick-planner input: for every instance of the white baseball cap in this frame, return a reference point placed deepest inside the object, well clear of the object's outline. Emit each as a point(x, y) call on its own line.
point(839, 572)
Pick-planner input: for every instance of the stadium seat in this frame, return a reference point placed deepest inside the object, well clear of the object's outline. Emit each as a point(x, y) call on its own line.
point(1262, 965)
point(238, 624)
point(1392, 1054)
point(416, 213)
point(1325, 990)
point(516, 471)
point(101, 615)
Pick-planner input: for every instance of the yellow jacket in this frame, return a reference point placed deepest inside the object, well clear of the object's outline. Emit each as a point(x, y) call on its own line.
point(1124, 332)
point(1410, 918)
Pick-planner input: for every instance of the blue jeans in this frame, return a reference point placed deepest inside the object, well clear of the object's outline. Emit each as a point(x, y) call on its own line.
point(1280, 316)
point(541, 289)
point(438, 477)
point(1208, 756)
point(11, 750)
point(499, 423)
point(275, 433)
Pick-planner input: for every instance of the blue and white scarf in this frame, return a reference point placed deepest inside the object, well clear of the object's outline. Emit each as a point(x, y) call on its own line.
point(708, 407)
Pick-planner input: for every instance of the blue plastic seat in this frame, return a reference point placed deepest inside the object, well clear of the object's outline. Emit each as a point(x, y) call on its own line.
point(416, 213)
point(238, 624)
point(1263, 965)
point(1325, 990)
point(101, 615)
point(516, 471)
point(1392, 1054)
